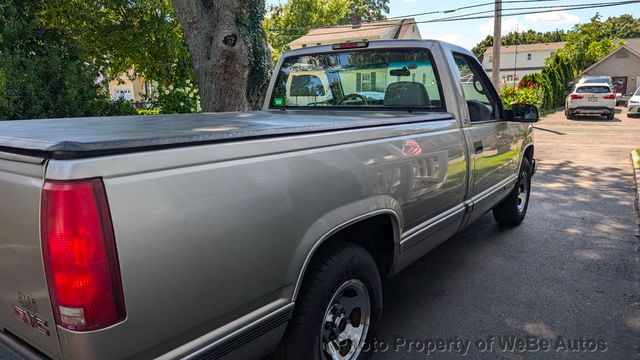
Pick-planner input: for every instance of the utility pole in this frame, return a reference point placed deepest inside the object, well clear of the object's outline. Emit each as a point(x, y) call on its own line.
point(515, 58)
point(497, 34)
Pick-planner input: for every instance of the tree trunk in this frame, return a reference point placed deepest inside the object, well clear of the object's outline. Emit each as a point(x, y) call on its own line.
point(228, 50)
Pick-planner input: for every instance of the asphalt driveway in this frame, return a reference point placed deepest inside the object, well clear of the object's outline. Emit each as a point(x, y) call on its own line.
point(568, 278)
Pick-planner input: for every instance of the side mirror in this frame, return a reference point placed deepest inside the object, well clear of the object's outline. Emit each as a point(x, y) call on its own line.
point(523, 113)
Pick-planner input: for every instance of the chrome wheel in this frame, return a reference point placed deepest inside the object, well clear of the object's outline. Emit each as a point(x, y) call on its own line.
point(523, 192)
point(346, 322)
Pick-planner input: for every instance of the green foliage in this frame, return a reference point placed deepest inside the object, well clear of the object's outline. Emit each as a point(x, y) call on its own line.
point(119, 35)
point(552, 83)
point(369, 10)
point(148, 112)
point(524, 37)
point(624, 27)
point(290, 21)
point(180, 99)
point(120, 107)
point(590, 42)
point(524, 93)
point(43, 72)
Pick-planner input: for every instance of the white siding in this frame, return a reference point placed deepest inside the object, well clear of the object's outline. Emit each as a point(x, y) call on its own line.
point(509, 62)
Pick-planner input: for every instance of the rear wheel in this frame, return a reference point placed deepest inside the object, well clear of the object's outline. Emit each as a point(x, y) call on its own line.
point(569, 115)
point(610, 115)
point(338, 308)
point(512, 210)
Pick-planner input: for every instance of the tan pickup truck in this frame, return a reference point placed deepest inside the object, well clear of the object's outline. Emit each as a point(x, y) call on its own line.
point(234, 235)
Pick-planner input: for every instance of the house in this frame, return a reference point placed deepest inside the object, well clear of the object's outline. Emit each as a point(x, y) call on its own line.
point(623, 65)
point(519, 60)
point(130, 87)
point(384, 30)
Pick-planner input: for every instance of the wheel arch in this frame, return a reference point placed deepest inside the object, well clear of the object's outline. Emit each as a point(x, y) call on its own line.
point(383, 245)
point(528, 153)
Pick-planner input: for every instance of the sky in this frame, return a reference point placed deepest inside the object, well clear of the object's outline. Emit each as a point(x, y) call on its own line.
point(469, 32)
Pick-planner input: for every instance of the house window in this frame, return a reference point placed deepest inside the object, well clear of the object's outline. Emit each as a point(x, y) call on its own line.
point(365, 81)
point(304, 45)
point(529, 56)
point(509, 78)
point(552, 53)
point(123, 94)
point(490, 58)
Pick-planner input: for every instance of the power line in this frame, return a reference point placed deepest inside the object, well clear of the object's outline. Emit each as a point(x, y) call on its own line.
point(465, 8)
point(552, 8)
point(421, 14)
point(470, 16)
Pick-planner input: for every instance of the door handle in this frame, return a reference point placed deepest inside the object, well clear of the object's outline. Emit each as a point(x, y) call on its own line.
point(478, 147)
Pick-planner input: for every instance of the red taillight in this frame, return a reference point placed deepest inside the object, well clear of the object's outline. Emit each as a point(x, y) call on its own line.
point(609, 97)
point(576, 97)
point(80, 256)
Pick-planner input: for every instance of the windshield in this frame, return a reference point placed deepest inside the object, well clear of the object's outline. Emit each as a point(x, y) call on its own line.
point(386, 79)
point(593, 89)
point(637, 92)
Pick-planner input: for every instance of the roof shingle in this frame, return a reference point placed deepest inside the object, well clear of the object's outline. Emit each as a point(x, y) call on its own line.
point(337, 34)
point(528, 47)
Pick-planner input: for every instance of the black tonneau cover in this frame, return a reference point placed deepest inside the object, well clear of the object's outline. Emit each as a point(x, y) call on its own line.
point(83, 137)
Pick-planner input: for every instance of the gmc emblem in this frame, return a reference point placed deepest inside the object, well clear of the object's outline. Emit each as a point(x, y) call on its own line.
point(31, 320)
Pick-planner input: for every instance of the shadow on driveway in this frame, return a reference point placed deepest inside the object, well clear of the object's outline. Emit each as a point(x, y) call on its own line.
point(570, 270)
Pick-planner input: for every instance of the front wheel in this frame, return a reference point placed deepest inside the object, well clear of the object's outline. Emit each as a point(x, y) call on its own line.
point(512, 210)
point(338, 308)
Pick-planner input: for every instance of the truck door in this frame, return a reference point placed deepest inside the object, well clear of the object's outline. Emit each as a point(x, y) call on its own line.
point(492, 141)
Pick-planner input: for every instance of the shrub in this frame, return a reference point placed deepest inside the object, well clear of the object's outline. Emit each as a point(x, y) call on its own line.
point(43, 72)
point(524, 93)
point(177, 99)
point(148, 112)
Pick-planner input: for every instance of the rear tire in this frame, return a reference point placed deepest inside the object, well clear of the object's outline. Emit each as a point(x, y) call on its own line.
point(341, 286)
point(610, 116)
point(512, 210)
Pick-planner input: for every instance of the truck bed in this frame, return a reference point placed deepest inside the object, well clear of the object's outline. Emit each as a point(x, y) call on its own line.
point(84, 137)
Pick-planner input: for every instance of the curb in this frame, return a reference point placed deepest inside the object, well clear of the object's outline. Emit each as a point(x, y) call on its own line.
point(635, 159)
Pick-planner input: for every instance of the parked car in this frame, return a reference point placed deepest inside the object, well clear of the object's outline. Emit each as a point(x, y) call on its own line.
point(600, 80)
point(591, 99)
point(231, 235)
point(633, 106)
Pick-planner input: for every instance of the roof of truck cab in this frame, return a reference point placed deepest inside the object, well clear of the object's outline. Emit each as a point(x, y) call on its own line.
point(83, 137)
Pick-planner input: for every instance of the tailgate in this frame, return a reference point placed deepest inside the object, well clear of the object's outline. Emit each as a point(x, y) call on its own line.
point(25, 309)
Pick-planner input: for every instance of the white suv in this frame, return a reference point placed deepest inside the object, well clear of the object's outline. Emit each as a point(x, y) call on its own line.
point(591, 99)
point(633, 106)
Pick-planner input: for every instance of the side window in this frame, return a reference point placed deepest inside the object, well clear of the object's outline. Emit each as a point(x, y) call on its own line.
point(482, 105)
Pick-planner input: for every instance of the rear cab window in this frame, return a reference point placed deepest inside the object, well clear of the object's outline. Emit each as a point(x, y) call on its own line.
point(385, 79)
